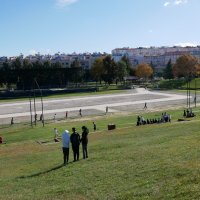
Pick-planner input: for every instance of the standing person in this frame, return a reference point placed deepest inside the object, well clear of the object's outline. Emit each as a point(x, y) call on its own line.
point(94, 126)
point(41, 117)
point(145, 105)
point(106, 109)
point(54, 117)
point(35, 116)
point(12, 121)
point(184, 113)
point(66, 114)
point(65, 141)
point(80, 112)
point(75, 140)
point(84, 141)
point(56, 135)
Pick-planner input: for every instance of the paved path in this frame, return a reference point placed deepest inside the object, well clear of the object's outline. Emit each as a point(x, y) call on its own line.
point(127, 101)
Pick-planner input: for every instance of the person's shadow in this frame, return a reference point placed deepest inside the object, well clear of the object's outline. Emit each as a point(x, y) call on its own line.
point(44, 172)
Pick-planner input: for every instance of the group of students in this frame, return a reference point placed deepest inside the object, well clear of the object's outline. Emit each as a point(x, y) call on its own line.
point(75, 141)
point(188, 113)
point(164, 118)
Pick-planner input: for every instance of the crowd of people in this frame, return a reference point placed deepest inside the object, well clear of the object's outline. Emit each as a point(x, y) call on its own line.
point(164, 118)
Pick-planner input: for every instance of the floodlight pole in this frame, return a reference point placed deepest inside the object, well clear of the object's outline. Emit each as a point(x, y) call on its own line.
point(41, 101)
point(189, 93)
point(34, 105)
point(31, 112)
point(195, 93)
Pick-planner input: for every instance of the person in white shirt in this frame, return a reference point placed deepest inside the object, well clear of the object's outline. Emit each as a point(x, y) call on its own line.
point(56, 136)
point(66, 142)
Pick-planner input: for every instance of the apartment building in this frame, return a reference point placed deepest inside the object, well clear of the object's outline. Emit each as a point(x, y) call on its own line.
point(157, 56)
point(86, 59)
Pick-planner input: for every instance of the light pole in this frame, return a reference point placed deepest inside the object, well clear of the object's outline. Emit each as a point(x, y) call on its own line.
point(195, 98)
point(31, 112)
point(187, 91)
point(35, 114)
point(41, 101)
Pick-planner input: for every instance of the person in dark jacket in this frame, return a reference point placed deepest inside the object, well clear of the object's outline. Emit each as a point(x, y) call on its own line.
point(84, 141)
point(94, 126)
point(75, 140)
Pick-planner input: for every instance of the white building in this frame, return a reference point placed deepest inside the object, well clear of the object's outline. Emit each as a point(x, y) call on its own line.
point(158, 56)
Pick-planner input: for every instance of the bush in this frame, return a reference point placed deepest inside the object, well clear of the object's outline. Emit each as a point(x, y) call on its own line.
point(171, 84)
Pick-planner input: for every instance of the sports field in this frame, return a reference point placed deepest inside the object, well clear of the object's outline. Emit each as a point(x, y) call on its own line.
point(128, 101)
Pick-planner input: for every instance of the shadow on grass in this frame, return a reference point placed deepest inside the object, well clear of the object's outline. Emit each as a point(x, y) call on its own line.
point(43, 172)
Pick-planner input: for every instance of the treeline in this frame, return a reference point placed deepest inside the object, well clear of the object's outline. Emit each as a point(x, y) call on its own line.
point(23, 73)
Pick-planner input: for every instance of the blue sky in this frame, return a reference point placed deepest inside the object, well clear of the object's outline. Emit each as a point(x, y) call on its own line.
point(51, 26)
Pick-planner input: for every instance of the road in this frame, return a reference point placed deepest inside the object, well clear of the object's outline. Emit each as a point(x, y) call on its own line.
point(129, 101)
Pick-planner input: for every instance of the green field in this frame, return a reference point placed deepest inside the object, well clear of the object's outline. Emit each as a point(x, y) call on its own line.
point(158, 161)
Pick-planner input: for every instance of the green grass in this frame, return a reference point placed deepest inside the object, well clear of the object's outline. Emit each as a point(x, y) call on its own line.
point(170, 84)
point(177, 84)
point(192, 84)
point(159, 161)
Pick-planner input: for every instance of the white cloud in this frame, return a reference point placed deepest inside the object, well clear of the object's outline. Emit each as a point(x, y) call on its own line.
point(178, 2)
point(175, 2)
point(63, 3)
point(167, 3)
point(187, 44)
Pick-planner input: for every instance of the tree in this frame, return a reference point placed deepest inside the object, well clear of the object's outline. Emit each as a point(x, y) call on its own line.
point(97, 69)
point(128, 63)
point(77, 72)
point(110, 70)
point(153, 68)
point(47, 64)
point(27, 64)
point(17, 64)
point(185, 66)
point(75, 63)
point(56, 65)
point(197, 70)
point(6, 75)
point(122, 70)
point(144, 71)
point(168, 72)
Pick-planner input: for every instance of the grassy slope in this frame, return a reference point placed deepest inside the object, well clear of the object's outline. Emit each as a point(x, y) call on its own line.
point(148, 162)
